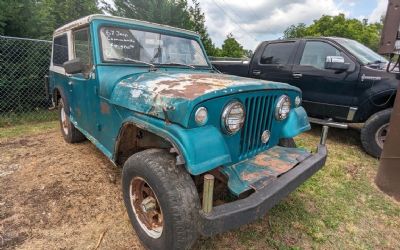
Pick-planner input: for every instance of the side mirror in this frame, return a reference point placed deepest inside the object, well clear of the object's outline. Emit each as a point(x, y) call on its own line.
point(73, 66)
point(336, 63)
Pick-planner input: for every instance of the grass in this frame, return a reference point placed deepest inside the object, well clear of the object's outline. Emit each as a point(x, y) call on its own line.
point(38, 116)
point(27, 129)
point(28, 123)
point(340, 207)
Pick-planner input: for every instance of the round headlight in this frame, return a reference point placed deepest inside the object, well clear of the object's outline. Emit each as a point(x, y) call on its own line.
point(282, 108)
point(297, 101)
point(201, 116)
point(233, 117)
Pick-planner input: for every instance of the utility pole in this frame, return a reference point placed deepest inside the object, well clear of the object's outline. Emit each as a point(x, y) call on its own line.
point(388, 177)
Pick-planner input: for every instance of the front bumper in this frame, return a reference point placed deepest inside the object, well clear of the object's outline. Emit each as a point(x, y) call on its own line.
point(234, 214)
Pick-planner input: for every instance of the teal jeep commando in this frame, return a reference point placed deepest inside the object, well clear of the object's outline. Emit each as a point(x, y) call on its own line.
point(202, 152)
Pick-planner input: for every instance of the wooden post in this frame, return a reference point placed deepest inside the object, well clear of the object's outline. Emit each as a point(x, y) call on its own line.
point(388, 177)
point(208, 193)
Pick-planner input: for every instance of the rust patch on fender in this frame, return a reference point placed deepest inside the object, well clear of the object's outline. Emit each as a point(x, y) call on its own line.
point(104, 108)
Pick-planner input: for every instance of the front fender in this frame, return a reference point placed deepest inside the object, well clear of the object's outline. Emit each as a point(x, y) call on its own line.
point(296, 123)
point(203, 148)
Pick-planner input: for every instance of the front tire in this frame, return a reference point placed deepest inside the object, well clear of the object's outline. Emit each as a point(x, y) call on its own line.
point(68, 130)
point(161, 200)
point(374, 132)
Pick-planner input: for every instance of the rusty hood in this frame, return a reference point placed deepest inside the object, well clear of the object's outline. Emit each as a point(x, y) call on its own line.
point(159, 93)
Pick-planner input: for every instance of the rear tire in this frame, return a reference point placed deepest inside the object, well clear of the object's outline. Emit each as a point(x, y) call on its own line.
point(173, 198)
point(287, 143)
point(373, 134)
point(68, 130)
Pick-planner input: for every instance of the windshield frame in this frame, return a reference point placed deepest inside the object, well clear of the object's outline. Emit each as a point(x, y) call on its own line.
point(342, 42)
point(153, 30)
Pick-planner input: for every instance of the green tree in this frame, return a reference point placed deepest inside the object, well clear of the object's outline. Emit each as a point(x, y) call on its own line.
point(231, 47)
point(175, 13)
point(362, 31)
point(198, 25)
point(17, 18)
point(296, 31)
point(55, 13)
point(39, 18)
point(170, 12)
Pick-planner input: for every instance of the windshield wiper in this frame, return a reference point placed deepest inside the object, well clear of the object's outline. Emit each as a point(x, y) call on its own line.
point(127, 59)
point(179, 64)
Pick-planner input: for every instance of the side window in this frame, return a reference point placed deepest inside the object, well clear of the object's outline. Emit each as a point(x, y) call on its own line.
point(277, 53)
point(315, 53)
point(82, 47)
point(60, 50)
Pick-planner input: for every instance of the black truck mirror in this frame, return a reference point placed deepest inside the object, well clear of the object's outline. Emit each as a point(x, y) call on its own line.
point(336, 63)
point(73, 66)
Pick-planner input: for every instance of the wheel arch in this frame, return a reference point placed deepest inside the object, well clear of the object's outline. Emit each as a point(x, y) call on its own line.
point(58, 94)
point(192, 146)
point(375, 103)
point(133, 138)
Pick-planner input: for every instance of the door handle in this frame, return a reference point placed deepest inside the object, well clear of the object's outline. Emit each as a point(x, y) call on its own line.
point(297, 75)
point(256, 72)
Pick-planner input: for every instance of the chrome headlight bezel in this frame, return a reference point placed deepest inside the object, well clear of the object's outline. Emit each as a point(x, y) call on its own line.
point(225, 116)
point(283, 107)
point(197, 114)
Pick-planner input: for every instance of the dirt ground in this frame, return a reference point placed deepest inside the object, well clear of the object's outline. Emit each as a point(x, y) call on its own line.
point(55, 195)
point(60, 196)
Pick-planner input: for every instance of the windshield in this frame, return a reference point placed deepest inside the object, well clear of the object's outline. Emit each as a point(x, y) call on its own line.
point(363, 53)
point(136, 46)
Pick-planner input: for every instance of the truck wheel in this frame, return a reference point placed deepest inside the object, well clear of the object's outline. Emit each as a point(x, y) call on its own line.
point(161, 200)
point(287, 143)
point(68, 130)
point(374, 132)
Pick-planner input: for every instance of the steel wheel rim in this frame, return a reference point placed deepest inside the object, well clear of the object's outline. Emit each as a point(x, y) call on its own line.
point(380, 135)
point(64, 121)
point(146, 207)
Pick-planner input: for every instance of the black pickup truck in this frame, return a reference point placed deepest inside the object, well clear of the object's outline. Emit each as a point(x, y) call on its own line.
point(342, 81)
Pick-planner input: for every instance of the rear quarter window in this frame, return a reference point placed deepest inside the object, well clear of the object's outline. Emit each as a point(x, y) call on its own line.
point(277, 53)
point(60, 50)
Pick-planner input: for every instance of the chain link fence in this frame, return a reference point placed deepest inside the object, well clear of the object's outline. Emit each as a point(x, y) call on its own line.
point(23, 66)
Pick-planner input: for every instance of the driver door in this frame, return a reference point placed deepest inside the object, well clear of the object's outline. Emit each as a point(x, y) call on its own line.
point(81, 84)
point(327, 93)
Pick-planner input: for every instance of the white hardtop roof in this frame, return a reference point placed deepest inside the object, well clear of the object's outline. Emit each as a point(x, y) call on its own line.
point(87, 19)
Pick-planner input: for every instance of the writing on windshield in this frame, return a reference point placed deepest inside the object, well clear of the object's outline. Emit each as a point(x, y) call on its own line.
point(130, 45)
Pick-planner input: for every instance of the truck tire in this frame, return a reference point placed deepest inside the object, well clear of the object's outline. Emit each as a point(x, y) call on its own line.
point(161, 200)
point(68, 130)
point(374, 132)
point(287, 143)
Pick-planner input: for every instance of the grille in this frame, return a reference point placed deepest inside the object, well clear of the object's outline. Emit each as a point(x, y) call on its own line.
point(259, 117)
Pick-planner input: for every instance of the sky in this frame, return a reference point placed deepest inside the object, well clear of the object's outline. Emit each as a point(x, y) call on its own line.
point(253, 21)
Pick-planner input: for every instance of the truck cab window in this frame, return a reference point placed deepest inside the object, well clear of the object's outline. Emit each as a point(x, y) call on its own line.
point(82, 47)
point(60, 50)
point(315, 53)
point(277, 53)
